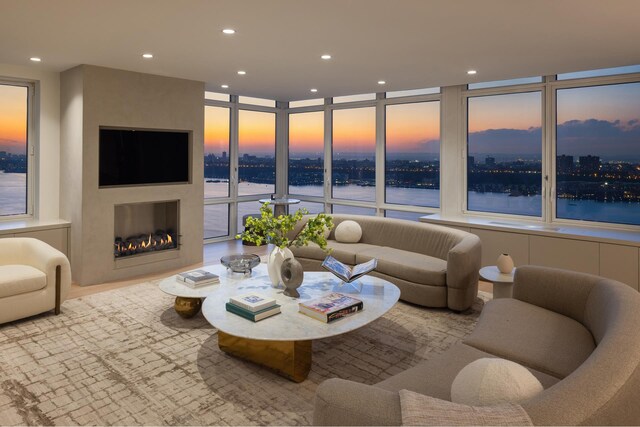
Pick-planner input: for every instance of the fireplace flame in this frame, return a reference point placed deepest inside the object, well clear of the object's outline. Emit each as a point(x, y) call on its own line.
point(160, 240)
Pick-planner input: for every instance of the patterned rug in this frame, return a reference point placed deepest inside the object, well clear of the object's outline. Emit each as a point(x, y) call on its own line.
point(124, 357)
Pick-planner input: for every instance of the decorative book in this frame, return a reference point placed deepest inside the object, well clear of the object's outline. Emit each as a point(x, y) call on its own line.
point(251, 315)
point(195, 278)
point(252, 302)
point(331, 307)
point(344, 272)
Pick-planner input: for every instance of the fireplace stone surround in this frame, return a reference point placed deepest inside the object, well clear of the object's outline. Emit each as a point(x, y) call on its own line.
point(92, 97)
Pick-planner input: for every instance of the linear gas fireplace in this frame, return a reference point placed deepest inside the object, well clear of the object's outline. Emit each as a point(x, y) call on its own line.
point(145, 228)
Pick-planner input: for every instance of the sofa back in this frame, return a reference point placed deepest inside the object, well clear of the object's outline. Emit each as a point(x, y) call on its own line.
point(427, 239)
point(605, 389)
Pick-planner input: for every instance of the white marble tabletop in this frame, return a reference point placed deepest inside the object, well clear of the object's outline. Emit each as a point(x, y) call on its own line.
point(492, 274)
point(172, 287)
point(377, 294)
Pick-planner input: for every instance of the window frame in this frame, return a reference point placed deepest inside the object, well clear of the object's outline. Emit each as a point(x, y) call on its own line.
point(505, 90)
point(32, 145)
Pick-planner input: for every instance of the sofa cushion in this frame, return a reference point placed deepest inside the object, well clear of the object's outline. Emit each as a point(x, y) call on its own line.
point(532, 336)
point(435, 376)
point(410, 266)
point(343, 252)
point(20, 279)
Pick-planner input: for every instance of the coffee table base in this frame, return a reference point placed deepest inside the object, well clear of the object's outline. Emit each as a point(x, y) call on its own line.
point(290, 359)
point(187, 307)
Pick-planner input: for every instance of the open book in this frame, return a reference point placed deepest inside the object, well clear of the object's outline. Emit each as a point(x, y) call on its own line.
point(346, 274)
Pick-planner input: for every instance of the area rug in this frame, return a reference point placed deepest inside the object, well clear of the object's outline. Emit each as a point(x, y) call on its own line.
point(124, 357)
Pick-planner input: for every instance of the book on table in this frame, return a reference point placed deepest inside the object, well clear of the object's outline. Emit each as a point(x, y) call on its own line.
point(197, 278)
point(344, 272)
point(252, 302)
point(331, 307)
point(255, 316)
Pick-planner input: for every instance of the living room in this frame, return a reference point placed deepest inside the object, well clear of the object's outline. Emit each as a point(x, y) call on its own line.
point(514, 129)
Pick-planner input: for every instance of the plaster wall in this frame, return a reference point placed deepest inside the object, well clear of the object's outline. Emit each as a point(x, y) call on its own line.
point(126, 99)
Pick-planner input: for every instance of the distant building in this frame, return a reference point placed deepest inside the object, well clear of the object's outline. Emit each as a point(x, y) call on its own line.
point(564, 164)
point(471, 162)
point(224, 155)
point(490, 161)
point(589, 164)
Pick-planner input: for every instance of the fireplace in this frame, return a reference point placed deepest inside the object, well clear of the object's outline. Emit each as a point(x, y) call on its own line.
point(145, 228)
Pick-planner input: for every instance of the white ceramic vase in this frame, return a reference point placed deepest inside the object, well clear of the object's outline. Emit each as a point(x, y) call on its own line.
point(505, 264)
point(274, 264)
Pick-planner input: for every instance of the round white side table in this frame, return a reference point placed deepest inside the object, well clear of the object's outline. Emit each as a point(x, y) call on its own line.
point(502, 283)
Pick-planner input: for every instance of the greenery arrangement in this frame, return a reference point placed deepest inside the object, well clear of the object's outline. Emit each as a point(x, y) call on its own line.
point(271, 229)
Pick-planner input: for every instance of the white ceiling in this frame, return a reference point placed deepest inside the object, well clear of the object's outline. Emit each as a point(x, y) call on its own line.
point(409, 43)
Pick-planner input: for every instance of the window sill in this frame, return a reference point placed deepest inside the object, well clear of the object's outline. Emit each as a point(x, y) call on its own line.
point(17, 226)
point(593, 234)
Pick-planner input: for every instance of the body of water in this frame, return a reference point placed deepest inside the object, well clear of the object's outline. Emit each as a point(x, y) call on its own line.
point(13, 193)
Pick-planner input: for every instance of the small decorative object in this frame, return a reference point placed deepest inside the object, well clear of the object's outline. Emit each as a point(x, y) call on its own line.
point(292, 276)
point(492, 381)
point(187, 307)
point(505, 264)
point(275, 230)
point(240, 263)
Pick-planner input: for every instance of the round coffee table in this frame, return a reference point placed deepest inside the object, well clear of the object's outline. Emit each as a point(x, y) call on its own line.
point(502, 282)
point(283, 342)
point(189, 300)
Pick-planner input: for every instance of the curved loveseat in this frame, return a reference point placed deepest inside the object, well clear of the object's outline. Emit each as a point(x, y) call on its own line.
point(576, 333)
point(433, 266)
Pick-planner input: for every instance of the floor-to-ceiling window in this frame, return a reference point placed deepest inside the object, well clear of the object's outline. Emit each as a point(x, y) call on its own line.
point(412, 154)
point(14, 143)
point(217, 170)
point(306, 153)
point(353, 166)
point(598, 153)
point(504, 153)
point(256, 152)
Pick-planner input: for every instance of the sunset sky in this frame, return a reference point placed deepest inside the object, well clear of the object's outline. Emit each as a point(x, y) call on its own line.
point(13, 118)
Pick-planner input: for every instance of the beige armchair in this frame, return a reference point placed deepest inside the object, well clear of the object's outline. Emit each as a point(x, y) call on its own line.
point(34, 278)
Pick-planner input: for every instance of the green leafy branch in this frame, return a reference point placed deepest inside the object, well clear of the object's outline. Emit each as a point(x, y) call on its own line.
point(271, 229)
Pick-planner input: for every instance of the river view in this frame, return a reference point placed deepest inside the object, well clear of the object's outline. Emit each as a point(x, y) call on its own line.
point(618, 212)
point(13, 193)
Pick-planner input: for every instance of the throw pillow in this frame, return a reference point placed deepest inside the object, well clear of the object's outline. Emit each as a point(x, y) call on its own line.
point(348, 232)
point(492, 381)
point(421, 410)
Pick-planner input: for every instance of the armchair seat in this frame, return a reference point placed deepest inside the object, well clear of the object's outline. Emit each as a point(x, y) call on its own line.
point(20, 279)
point(34, 278)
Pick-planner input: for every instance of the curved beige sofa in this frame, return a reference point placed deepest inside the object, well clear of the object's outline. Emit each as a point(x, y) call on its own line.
point(433, 266)
point(34, 278)
point(577, 333)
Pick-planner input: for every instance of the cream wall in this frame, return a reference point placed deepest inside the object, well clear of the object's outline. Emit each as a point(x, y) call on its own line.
point(47, 195)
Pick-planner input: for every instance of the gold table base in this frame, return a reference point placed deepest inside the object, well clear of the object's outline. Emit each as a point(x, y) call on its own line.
point(291, 359)
point(187, 307)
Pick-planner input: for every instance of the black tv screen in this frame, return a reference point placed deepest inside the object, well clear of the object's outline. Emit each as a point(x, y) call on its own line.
point(136, 157)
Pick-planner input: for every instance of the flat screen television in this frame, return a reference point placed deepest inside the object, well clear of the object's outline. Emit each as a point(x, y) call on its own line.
point(139, 157)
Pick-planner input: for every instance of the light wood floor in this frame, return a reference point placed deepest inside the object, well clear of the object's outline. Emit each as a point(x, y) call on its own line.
point(212, 253)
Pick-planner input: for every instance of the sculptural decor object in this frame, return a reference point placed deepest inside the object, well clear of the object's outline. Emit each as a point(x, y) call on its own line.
point(505, 264)
point(292, 276)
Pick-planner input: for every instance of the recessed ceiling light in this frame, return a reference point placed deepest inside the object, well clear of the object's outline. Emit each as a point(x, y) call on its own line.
point(314, 90)
point(381, 82)
point(471, 72)
point(326, 56)
point(35, 59)
point(229, 31)
point(242, 73)
point(147, 55)
point(224, 86)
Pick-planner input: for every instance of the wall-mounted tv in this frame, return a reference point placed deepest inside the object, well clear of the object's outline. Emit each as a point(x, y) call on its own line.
point(140, 157)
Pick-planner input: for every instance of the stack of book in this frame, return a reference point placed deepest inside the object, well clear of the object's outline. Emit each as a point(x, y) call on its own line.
point(253, 306)
point(197, 278)
point(331, 307)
